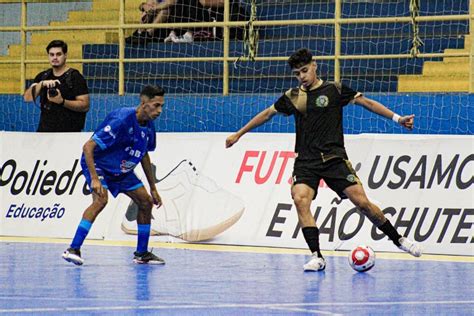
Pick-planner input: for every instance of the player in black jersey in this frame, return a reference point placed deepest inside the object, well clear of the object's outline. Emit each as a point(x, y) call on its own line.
point(317, 108)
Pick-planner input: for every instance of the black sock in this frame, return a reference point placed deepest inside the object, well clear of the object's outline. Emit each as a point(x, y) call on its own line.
point(311, 235)
point(391, 232)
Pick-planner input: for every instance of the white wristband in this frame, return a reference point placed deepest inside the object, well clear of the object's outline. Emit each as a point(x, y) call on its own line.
point(395, 117)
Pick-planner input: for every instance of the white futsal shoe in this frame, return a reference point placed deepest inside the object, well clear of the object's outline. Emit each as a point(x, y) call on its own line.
point(409, 246)
point(194, 207)
point(315, 263)
point(73, 255)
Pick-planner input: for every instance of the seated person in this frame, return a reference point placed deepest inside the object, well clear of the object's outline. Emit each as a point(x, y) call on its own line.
point(153, 11)
point(182, 11)
point(238, 12)
point(170, 11)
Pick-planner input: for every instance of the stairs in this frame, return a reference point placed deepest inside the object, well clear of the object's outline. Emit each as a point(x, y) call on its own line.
point(103, 12)
point(449, 75)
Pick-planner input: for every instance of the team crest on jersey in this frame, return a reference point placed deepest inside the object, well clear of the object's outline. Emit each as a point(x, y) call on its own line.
point(322, 101)
point(108, 129)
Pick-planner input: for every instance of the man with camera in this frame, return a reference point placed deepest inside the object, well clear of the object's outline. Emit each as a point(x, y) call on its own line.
point(63, 92)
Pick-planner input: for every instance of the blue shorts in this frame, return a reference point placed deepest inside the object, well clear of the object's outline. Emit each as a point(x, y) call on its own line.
point(115, 184)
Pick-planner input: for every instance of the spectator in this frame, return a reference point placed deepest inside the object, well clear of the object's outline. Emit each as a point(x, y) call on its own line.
point(185, 11)
point(238, 12)
point(169, 11)
point(64, 96)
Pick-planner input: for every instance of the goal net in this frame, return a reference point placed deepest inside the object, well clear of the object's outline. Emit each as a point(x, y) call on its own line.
point(188, 63)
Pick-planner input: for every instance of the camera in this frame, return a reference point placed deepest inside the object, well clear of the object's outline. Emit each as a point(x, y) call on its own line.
point(52, 92)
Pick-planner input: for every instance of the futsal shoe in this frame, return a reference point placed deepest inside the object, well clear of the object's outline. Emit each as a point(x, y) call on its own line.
point(315, 264)
point(194, 207)
point(410, 247)
point(147, 258)
point(186, 38)
point(171, 37)
point(74, 256)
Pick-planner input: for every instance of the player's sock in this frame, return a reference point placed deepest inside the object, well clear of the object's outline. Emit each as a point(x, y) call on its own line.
point(143, 237)
point(391, 232)
point(311, 235)
point(81, 233)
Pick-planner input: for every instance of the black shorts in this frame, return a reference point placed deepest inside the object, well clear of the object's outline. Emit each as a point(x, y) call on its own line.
point(337, 173)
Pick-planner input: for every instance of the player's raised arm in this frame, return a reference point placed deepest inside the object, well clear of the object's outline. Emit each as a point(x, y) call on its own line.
point(406, 121)
point(256, 121)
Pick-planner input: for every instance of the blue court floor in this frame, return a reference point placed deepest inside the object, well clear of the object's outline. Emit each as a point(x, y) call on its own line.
point(34, 280)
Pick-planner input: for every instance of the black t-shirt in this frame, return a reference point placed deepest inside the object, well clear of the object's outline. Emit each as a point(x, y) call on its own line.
point(318, 119)
point(55, 117)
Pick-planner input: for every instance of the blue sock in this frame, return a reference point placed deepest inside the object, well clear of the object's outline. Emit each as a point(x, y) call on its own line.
point(81, 233)
point(143, 237)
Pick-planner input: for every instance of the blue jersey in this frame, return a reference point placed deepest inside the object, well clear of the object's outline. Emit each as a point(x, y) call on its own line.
point(121, 142)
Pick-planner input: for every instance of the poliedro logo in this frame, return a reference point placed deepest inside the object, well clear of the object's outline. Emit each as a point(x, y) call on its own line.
point(41, 179)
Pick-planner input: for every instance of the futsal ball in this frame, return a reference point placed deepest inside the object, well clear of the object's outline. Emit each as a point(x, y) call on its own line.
point(362, 258)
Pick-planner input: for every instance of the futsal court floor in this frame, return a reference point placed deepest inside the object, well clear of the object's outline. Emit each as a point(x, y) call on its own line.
point(224, 280)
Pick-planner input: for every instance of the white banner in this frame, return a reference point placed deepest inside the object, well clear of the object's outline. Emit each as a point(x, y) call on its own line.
point(43, 192)
point(242, 196)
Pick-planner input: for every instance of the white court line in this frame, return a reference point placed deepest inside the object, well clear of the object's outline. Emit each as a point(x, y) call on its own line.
point(245, 249)
point(303, 310)
point(215, 306)
point(98, 299)
point(22, 298)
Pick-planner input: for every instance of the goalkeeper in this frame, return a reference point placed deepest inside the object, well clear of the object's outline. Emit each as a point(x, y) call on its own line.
point(317, 108)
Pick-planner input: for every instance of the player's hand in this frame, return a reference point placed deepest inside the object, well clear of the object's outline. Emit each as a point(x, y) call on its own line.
point(407, 121)
point(50, 83)
point(156, 197)
point(58, 99)
point(96, 186)
point(231, 140)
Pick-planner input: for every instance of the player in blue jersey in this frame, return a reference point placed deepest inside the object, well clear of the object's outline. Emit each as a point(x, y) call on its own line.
point(119, 144)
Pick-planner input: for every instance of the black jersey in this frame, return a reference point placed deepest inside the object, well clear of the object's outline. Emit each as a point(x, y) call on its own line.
point(55, 117)
point(318, 119)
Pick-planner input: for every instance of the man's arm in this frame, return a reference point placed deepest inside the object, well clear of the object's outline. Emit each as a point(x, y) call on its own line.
point(380, 109)
point(146, 165)
point(80, 104)
point(36, 87)
point(88, 149)
point(256, 121)
point(162, 5)
point(212, 3)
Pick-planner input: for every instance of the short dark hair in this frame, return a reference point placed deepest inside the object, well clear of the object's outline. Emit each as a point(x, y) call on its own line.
point(300, 58)
point(152, 91)
point(57, 43)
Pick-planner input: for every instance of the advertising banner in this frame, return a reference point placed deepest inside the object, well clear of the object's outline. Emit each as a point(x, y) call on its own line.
point(241, 195)
point(42, 189)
